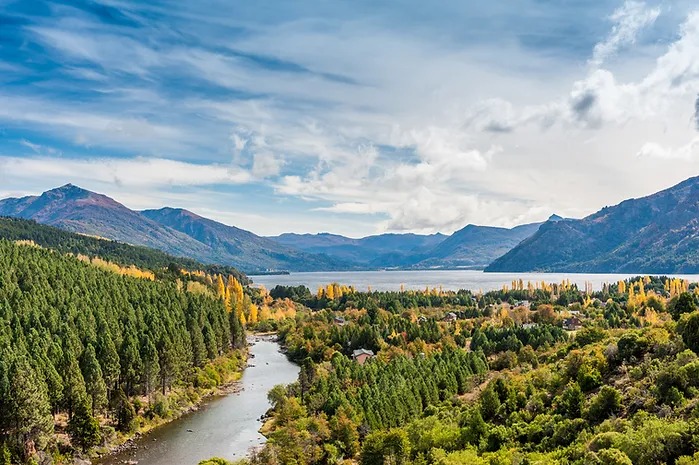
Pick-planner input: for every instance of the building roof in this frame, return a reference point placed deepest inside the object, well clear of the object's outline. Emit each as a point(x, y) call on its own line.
point(359, 352)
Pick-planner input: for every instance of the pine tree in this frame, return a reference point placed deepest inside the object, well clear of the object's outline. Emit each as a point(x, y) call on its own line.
point(73, 381)
point(151, 368)
point(131, 361)
point(236, 330)
point(169, 368)
point(108, 359)
point(84, 429)
point(94, 381)
point(30, 411)
point(124, 411)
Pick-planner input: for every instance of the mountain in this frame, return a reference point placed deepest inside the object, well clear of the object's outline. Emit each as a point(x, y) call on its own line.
point(477, 246)
point(182, 233)
point(65, 242)
point(380, 251)
point(657, 234)
point(471, 247)
point(236, 245)
point(78, 210)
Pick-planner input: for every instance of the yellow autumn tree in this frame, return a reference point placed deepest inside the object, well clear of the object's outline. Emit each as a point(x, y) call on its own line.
point(220, 287)
point(252, 312)
point(234, 297)
point(265, 313)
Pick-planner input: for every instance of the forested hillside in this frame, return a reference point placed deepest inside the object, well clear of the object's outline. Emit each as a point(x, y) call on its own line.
point(17, 229)
point(85, 351)
point(535, 373)
point(174, 231)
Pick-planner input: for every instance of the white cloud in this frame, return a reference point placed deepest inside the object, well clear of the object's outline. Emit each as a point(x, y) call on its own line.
point(89, 125)
point(684, 152)
point(404, 128)
point(629, 20)
point(137, 172)
point(265, 165)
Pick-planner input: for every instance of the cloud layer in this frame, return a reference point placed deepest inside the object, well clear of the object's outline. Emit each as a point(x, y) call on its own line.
point(355, 119)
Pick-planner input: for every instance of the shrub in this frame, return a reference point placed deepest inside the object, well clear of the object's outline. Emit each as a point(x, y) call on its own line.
point(161, 406)
point(613, 457)
point(607, 402)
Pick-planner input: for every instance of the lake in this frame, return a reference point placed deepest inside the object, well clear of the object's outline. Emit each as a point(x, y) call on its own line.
point(224, 426)
point(448, 279)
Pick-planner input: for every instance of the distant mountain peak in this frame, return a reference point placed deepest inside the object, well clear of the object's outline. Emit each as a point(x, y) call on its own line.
point(68, 188)
point(555, 217)
point(655, 234)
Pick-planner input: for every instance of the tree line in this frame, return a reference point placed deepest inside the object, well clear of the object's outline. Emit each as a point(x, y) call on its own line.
point(83, 343)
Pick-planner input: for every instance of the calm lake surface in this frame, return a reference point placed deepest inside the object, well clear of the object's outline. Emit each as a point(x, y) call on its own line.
point(448, 279)
point(226, 426)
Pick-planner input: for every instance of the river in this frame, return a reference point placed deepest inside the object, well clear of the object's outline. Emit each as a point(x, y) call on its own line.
point(448, 279)
point(224, 426)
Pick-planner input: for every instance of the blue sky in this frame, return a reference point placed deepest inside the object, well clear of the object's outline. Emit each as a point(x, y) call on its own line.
point(352, 117)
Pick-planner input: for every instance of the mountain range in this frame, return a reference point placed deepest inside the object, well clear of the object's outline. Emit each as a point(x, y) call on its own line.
point(175, 231)
point(472, 247)
point(652, 235)
point(182, 233)
point(657, 234)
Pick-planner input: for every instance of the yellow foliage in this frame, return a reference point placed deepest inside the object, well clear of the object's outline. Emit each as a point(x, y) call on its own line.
point(131, 271)
point(27, 243)
point(220, 287)
point(234, 296)
point(265, 313)
point(252, 318)
point(196, 287)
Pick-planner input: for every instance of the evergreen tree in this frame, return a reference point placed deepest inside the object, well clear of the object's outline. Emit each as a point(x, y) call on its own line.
point(83, 427)
point(108, 359)
point(30, 411)
point(94, 380)
point(131, 365)
point(151, 368)
point(73, 382)
point(124, 411)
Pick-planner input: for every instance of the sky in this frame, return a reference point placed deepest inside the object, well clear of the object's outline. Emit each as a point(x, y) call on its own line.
point(353, 117)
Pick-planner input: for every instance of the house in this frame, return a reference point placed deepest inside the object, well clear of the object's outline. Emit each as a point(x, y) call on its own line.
point(572, 324)
point(339, 321)
point(529, 325)
point(362, 355)
point(422, 319)
point(449, 317)
point(523, 303)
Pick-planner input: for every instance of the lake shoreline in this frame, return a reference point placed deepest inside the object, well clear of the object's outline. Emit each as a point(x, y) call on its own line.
point(449, 280)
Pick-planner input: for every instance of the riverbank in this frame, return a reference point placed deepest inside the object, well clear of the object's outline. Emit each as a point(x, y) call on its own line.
point(225, 426)
point(225, 373)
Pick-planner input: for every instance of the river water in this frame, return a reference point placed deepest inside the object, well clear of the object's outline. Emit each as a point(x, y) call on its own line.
point(448, 279)
point(225, 426)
